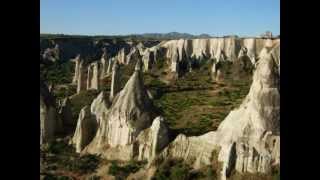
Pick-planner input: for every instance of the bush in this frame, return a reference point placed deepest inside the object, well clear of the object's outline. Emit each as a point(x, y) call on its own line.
point(84, 164)
point(172, 169)
point(123, 171)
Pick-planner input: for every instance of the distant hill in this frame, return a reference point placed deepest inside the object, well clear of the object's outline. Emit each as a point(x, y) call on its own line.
point(156, 36)
point(171, 35)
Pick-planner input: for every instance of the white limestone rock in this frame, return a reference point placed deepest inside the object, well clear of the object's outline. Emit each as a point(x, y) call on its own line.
point(115, 81)
point(249, 137)
point(76, 69)
point(151, 141)
point(49, 122)
point(194, 150)
point(104, 64)
point(82, 81)
point(130, 113)
point(99, 107)
point(93, 76)
point(85, 130)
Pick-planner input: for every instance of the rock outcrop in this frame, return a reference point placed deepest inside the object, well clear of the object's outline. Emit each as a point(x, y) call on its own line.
point(86, 129)
point(99, 107)
point(115, 81)
point(181, 52)
point(52, 54)
point(133, 55)
point(148, 60)
point(49, 121)
point(66, 113)
point(130, 113)
point(153, 140)
point(77, 61)
point(81, 79)
point(249, 137)
point(104, 64)
point(93, 79)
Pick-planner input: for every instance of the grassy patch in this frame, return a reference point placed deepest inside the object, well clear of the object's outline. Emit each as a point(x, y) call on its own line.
point(80, 100)
point(58, 156)
point(121, 172)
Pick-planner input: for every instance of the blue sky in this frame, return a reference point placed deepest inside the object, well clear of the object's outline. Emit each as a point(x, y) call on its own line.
point(112, 17)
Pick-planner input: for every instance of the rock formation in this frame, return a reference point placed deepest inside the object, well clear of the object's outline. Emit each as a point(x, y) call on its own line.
point(76, 69)
point(49, 122)
point(151, 141)
point(115, 81)
point(99, 107)
point(121, 56)
point(81, 80)
point(133, 55)
point(188, 50)
point(130, 113)
point(249, 137)
point(93, 79)
point(148, 60)
point(66, 113)
point(104, 61)
point(86, 129)
point(52, 54)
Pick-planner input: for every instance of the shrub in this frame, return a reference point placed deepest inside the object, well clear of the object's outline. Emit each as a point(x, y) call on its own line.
point(124, 171)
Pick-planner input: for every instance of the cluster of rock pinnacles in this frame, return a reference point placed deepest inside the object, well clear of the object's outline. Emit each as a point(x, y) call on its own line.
point(125, 125)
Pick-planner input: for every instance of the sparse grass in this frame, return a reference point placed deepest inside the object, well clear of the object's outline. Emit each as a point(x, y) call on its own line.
point(58, 156)
point(172, 169)
point(78, 101)
point(122, 171)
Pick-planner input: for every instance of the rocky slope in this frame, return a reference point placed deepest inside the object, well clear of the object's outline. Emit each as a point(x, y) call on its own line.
point(249, 137)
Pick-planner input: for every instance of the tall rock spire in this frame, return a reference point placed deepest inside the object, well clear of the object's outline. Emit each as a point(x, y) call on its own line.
point(131, 112)
point(115, 81)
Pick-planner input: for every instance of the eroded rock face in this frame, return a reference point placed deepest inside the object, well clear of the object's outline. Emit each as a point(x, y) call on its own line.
point(82, 80)
point(249, 137)
point(86, 129)
point(195, 150)
point(178, 51)
point(93, 76)
point(133, 55)
point(148, 60)
point(49, 122)
point(76, 69)
point(52, 54)
point(122, 56)
point(115, 81)
point(66, 113)
point(104, 64)
point(151, 141)
point(130, 113)
point(99, 107)
point(256, 121)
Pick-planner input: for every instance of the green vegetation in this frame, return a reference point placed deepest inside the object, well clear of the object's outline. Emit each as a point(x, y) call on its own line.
point(194, 104)
point(121, 172)
point(172, 169)
point(80, 100)
point(57, 73)
point(58, 156)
